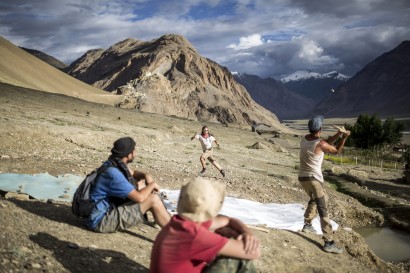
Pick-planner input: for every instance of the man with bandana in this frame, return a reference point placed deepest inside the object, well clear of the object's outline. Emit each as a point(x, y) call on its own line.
point(121, 195)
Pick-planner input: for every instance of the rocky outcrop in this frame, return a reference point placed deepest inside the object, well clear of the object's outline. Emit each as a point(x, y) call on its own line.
point(168, 76)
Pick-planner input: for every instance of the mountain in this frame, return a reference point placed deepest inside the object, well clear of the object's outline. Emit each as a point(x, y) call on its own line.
point(46, 58)
point(314, 85)
point(20, 68)
point(168, 76)
point(274, 96)
point(381, 88)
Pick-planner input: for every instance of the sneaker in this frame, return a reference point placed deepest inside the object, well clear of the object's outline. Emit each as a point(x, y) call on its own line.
point(332, 248)
point(308, 228)
point(223, 173)
point(203, 171)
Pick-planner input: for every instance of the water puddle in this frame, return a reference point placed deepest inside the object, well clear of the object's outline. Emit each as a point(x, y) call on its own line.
point(388, 244)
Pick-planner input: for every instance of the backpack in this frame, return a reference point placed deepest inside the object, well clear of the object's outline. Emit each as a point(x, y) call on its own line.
point(81, 205)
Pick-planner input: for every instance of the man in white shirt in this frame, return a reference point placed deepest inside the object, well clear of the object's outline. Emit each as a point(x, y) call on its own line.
point(312, 149)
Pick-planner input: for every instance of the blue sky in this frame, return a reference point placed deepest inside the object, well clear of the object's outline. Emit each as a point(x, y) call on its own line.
point(268, 38)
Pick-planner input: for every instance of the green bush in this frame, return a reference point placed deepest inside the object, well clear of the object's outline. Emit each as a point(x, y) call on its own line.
point(370, 132)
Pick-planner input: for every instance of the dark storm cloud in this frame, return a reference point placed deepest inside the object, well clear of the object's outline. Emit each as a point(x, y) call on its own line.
point(263, 37)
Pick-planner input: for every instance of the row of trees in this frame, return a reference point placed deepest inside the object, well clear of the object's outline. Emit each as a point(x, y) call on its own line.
point(369, 131)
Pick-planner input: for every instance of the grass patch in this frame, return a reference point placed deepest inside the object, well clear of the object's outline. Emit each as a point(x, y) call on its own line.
point(340, 159)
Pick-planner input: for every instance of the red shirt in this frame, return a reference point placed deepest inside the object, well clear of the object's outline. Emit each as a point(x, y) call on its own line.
point(185, 246)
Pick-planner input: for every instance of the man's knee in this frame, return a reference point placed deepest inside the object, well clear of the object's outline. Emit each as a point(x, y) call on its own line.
point(156, 202)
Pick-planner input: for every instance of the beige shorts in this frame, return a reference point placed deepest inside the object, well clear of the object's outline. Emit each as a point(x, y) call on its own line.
point(208, 154)
point(121, 218)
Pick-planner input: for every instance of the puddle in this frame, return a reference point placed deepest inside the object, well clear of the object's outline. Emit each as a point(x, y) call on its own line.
point(388, 244)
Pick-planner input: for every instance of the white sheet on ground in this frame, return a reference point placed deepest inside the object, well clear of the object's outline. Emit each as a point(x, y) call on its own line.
point(281, 216)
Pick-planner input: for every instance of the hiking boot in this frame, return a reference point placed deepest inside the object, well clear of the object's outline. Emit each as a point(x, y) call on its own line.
point(332, 248)
point(223, 173)
point(203, 171)
point(308, 228)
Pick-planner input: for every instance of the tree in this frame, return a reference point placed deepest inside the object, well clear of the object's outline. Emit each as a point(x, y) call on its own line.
point(369, 132)
point(393, 131)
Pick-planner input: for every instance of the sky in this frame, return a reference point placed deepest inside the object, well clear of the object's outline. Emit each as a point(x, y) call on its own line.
point(267, 38)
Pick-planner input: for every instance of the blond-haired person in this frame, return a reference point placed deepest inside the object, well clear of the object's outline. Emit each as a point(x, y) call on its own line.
point(197, 239)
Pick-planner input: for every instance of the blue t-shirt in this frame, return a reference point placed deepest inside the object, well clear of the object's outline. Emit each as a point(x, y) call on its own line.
point(111, 182)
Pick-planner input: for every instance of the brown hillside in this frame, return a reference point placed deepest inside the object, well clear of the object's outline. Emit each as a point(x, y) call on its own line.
point(17, 67)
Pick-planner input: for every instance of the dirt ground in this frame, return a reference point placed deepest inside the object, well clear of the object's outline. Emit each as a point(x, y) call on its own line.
point(44, 132)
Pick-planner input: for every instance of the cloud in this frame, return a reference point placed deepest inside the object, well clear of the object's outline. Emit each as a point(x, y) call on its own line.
point(268, 38)
point(247, 42)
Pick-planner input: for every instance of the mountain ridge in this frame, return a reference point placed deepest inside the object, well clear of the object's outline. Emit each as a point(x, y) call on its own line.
point(379, 88)
point(274, 96)
point(167, 76)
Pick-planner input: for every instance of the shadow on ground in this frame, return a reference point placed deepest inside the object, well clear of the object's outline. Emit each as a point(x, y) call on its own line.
point(79, 259)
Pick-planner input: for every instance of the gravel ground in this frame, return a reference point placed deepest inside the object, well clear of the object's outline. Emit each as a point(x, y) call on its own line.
point(44, 132)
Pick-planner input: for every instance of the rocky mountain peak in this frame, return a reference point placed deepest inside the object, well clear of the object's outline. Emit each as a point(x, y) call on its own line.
point(168, 76)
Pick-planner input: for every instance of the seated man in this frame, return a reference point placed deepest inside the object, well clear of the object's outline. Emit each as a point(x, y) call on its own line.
point(120, 195)
point(194, 237)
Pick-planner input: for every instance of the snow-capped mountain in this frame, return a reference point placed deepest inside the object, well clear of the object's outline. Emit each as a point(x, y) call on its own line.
point(306, 75)
point(381, 88)
point(314, 85)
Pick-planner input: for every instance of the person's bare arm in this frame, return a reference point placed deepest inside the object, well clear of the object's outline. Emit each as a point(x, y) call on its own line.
point(328, 148)
point(244, 239)
point(236, 248)
point(194, 136)
point(140, 196)
point(333, 138)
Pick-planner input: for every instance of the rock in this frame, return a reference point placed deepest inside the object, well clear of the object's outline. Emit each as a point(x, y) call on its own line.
point(337, 170)
point(35, 265)
point(358, 173)
point(16, 195)
point(73, 245)
point(258, 145)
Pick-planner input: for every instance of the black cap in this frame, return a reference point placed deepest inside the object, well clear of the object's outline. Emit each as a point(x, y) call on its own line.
point(123, 147)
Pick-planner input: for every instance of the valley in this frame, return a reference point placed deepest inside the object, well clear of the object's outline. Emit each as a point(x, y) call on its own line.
point(45, 132)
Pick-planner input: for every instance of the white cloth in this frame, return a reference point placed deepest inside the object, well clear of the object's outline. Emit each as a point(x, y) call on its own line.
point(279, 216)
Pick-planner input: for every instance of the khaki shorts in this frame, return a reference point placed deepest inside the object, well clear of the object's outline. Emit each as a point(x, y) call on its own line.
point(121, 218)
point(208, 154)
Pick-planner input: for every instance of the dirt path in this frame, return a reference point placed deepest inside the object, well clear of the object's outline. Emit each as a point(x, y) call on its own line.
point(43, 132)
